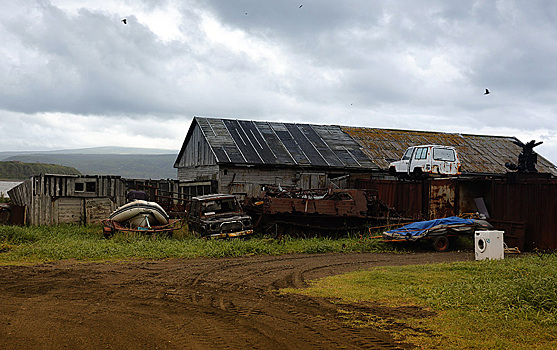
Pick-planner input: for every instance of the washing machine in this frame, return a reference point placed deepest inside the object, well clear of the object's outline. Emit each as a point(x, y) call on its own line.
point(489, 245)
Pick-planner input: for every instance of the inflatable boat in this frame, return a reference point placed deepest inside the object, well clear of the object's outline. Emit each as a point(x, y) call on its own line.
point(140, 213)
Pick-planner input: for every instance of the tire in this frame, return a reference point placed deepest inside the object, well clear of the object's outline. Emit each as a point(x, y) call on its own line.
point(392, 171)
point(417, 173)
point(441, 244)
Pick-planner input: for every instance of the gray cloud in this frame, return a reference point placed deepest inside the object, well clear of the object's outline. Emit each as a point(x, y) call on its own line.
point(404, 64)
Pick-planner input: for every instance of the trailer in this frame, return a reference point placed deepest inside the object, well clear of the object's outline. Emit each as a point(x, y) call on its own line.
point(439, 231)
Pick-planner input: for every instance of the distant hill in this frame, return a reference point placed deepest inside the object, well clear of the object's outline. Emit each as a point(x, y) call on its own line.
point(132, 166)
point(128, 162)
point(93, 150)
point(23, 171)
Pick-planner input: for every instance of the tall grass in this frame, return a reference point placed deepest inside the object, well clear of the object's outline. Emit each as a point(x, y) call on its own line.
point(47, 243)
point(525, 287)
point(504, 304)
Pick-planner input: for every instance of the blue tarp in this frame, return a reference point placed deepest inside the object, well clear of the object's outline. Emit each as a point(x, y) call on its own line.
point(421, 228)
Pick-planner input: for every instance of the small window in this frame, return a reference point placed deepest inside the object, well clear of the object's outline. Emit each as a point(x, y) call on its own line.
point(79, 187)
point(90, 186)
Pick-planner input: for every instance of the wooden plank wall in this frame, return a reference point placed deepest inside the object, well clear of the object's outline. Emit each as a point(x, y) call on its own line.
point(198, 173)
point(52, 199)
point(198, 151)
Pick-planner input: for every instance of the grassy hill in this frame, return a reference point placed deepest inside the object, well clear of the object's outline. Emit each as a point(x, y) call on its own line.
point(133, 166)
point(4, 155)
point(22, 171)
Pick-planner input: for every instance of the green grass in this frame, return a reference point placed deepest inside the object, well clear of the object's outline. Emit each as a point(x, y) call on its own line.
point(508, 304)
point(49, 243)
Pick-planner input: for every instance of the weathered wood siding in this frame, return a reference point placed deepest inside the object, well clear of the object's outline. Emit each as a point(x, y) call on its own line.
point(198, 173)
point(197, 151)
point(243, 180)
point(54, 199)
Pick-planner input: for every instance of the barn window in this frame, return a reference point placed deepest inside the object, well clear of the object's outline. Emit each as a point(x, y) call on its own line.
point(90, 186)
point(79, 187)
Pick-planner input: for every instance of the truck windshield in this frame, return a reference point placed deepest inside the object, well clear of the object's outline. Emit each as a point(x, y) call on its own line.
point(407, 154)
point(217, 206)
point(444, 154)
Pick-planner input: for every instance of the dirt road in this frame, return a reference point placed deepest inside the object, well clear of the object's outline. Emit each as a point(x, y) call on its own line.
point(190, 304)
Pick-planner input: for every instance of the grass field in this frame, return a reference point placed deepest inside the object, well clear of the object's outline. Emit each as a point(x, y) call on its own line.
point(48, 243)
point(506, 304)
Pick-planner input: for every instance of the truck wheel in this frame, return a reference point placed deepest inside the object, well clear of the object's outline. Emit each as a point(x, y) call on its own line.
point(392, 171)
point(418, 174)
point(441, 243)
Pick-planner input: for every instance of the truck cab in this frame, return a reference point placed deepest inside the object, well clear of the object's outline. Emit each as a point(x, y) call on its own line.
point(426, 160)
point(218, 216)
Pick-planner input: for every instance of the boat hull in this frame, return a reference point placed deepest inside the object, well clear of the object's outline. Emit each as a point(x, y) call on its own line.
point(140, 213)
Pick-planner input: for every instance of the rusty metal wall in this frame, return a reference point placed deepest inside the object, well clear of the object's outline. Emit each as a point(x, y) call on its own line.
point(405, 197)
point(532, 204)
point(525, 208)
point(442, 201)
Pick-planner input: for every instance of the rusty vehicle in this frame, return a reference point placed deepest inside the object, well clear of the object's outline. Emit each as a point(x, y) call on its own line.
point(426, 160)
point(217, 216)
point(316, 212)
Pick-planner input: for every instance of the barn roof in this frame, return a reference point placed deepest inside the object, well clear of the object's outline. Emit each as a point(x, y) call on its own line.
point(477, 153)
point(273, 143)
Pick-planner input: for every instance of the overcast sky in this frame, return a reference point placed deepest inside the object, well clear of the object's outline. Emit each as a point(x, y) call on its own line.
point(72, 75)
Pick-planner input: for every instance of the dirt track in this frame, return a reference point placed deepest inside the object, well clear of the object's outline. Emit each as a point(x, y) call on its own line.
point(189, 304)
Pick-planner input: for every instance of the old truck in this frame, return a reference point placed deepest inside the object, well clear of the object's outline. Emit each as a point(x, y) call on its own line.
point(426, 160)
point(217, 216)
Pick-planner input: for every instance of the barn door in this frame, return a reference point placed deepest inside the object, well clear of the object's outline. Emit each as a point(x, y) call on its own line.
point(68, 210)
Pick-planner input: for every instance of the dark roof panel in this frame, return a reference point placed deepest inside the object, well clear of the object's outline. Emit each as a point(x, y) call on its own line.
point(311, 154)
point(320, 145)
point(272, 143)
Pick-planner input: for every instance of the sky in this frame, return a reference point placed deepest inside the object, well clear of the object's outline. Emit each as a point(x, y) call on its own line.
point(73, 75)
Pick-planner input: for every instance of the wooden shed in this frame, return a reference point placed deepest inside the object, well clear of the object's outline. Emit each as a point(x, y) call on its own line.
point(239, 156)
point(53, 199)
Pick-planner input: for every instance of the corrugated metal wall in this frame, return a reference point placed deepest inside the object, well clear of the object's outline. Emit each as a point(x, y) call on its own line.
point(532, 204)
point(405, 197)
point(525, 209)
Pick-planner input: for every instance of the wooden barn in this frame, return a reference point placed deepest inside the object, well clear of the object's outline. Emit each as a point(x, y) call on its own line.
point(239, 156)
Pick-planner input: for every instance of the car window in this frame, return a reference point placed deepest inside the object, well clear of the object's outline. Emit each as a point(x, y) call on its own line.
point(421, 153)
point(407, 154)
point(444, 154)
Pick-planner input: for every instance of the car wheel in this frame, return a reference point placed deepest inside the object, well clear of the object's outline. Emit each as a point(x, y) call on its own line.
point(441, 243)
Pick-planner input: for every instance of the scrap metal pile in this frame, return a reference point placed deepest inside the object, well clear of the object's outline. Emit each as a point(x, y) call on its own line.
point(316, 212)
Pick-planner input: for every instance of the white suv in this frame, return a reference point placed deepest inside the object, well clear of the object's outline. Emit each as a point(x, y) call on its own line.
point(420, 161)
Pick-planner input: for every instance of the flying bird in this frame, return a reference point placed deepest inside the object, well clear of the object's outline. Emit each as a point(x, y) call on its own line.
point(486, 92)
point(301, 6)
point(125, 21)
